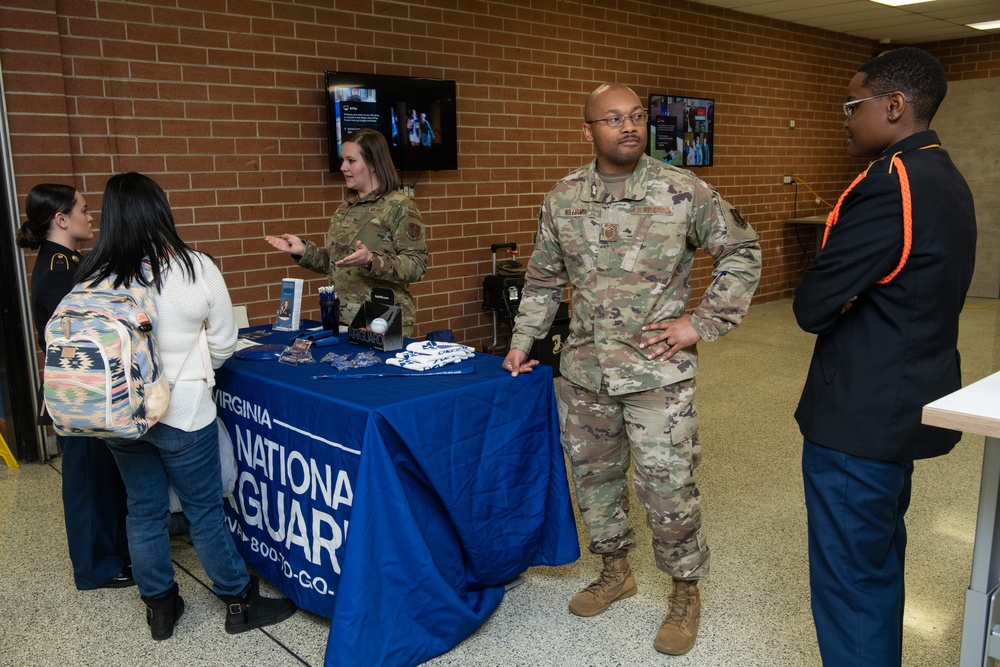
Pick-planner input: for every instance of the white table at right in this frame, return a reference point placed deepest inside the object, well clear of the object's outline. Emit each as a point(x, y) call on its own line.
point(976, 409)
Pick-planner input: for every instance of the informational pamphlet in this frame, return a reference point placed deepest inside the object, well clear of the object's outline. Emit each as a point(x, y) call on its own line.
point(289, 305)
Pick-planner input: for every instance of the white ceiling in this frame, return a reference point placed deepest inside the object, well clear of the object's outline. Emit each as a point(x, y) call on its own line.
point(912, 24)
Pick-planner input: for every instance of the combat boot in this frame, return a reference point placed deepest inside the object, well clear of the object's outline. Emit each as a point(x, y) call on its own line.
point(162, 613)
point(680, 627)
point(615, 583)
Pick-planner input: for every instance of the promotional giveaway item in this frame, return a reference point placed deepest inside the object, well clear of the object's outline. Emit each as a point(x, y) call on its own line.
point(263, 352)
point(376, 374)
point(289, 305)
point(430, 354)
point(355, 360)
point(386, 335)
point(298, 353)
point(329, 309)
point(318, 337)
point(359, 362)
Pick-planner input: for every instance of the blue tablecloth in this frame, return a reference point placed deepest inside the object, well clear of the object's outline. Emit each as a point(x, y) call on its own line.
point(395, 506)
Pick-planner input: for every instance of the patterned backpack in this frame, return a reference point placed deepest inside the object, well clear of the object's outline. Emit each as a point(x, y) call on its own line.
point(102, 375)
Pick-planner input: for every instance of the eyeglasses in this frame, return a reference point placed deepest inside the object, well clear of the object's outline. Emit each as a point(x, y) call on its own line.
point(849, 107)
point(638, 118)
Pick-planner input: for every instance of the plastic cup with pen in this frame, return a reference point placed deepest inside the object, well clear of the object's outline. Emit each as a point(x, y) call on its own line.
point(329, 309)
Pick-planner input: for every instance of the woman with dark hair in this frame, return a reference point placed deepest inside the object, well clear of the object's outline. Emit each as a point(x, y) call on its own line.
point(93, 494)
point(139, 244)
point(378, 232)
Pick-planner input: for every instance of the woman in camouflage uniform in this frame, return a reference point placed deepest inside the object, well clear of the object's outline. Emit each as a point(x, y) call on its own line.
point(378, 233)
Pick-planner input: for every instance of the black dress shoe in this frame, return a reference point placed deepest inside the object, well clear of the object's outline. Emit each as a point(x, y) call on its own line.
point(121, 580)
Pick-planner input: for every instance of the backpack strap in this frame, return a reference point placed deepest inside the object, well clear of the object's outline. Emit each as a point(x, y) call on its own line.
point(206, 357)
point(200, 344)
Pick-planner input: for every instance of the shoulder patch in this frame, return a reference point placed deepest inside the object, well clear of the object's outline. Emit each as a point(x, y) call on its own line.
point(737, 219)
point(414, 232)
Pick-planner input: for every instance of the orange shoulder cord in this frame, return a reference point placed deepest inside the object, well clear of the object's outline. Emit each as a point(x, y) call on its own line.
point(904, 186)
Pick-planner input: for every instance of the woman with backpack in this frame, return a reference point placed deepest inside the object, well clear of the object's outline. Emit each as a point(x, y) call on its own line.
point(93, 494)
point(139, 244)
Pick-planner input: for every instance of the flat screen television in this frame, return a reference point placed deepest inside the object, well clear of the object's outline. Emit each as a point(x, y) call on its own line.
point(682, 130)
point(417, 117)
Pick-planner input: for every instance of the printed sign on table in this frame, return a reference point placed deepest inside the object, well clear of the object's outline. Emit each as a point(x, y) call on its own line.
point(290, 512)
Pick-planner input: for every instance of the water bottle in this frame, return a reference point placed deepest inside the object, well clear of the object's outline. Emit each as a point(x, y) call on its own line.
point(329, 309)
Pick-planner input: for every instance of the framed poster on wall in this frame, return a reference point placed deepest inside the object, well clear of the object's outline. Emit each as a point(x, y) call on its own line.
point(682, 129)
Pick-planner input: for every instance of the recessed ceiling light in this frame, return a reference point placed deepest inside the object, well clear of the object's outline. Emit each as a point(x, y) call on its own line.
point(900, 3)
point(985, 25)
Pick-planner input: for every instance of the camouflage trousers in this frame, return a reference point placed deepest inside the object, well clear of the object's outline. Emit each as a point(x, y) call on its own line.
point(657, 430)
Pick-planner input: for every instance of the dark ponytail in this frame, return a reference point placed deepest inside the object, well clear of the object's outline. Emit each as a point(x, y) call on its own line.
point(44, 201)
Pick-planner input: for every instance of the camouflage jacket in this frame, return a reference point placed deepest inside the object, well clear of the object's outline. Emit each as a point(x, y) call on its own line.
point(391, 227)
point(629, 264)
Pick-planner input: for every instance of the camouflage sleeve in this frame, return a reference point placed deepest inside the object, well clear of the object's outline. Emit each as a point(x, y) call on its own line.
point(722, 232)
point(409, 262)
point(314, 258)
point(544, 281)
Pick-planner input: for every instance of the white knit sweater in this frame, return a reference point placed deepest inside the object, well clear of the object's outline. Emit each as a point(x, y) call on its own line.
point(182, 307)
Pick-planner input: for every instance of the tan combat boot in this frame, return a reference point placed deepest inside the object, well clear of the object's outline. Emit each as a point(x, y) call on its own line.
point(615, 583)
point(680, 627)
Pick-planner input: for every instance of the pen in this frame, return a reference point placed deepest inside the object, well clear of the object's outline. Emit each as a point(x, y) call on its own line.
point(313, 335)
point(352, 376)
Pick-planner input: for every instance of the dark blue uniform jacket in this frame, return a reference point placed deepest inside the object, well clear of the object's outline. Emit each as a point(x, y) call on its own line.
point(52, 278)
point(876, 366)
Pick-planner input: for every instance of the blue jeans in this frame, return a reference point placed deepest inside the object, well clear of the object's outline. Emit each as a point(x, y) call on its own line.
point(857, 548)
point(189, 462)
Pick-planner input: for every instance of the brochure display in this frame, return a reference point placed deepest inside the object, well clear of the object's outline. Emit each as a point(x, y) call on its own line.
point(289, 305)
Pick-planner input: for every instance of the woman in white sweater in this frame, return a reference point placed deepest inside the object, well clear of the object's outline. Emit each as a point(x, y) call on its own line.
point(182, 449)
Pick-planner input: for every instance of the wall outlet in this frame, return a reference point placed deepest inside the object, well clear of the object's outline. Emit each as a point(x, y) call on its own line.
point(786, 180)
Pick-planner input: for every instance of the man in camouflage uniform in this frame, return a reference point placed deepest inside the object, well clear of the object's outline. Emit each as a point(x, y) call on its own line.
point(622, 232)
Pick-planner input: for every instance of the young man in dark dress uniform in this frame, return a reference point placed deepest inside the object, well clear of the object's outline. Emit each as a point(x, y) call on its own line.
point(884, 295)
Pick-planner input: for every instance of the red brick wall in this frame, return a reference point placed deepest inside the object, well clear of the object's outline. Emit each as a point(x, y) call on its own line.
point(222, 103)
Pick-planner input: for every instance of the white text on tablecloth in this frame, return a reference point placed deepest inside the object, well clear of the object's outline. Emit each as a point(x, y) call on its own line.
point(297, 482)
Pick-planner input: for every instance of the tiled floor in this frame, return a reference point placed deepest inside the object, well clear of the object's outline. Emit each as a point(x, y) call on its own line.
point(755, 604)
